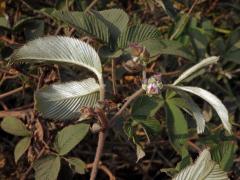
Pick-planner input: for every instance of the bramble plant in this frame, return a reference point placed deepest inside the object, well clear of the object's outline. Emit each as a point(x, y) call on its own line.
point(86, 107)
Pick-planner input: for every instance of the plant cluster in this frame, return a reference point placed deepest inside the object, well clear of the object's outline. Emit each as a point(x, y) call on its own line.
point(67, 112)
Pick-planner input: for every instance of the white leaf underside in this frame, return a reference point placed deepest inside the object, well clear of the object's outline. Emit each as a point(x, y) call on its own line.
point(203, 169)
point(59, 50)
point(211, 99)
point(201, 64)
point(196, 112)
point(63, 101)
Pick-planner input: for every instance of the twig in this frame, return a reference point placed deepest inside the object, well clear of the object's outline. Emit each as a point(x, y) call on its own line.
point(212, 7)
point(7, 40)
point(23, 107)
point(194, 146)
point(194, 4)
point(129, 100)
point(4, 106)
point(114, 77)
point(19, 114)
point(104, 169)
point(101, 141)
point(90, 6)
point(24, 176)
point(14, 91)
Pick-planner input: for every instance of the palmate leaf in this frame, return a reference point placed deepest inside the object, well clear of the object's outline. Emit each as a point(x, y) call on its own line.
point(63, 101)
point(177, 126)
point(87, 23)
point(59, 50)
point(203, 169)
point(211, 99)
point(136, 34)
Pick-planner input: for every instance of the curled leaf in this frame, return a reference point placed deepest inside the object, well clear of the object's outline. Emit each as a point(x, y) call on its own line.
point(211, 99)
point(193, 69)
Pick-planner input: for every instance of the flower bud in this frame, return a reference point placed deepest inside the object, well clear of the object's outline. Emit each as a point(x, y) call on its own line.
point(153, 85)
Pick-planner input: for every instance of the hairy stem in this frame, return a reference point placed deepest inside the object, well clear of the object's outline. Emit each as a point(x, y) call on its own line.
point(101, 141)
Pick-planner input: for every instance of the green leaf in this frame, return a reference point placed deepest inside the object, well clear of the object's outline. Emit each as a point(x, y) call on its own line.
point(136, 34)
point(21, 147)
point(63, 101)
point(86, 23)
point(233, 40)
point(151, 125)
point(203, 168)
point(77, 165)
point(169, 47)
point(21, 23)
point(47, 168)
point(224, 153)
point(115, 19)
point(232, 55)
point(193, 69)
point(167, 6)
point(4, 22)
point(34, 29)
point(211, 99)
point(186, 160)
point(146, 106)
point(180, 26)
point(59, 50)
point(176, 126)
point(200, 41)
point(14, 126)
point(69, 137)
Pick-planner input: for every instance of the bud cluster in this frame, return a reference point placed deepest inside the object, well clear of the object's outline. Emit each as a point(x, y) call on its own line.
point(139, 53)
point(153, 85)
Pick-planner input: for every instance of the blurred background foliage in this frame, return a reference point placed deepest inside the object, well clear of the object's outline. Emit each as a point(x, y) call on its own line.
point(187, 31)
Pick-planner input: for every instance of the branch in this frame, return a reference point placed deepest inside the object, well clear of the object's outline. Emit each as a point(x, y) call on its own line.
point(104, 169)
point(19, 114)
point(101, 141)
point(129, 100)
point(14, 91)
